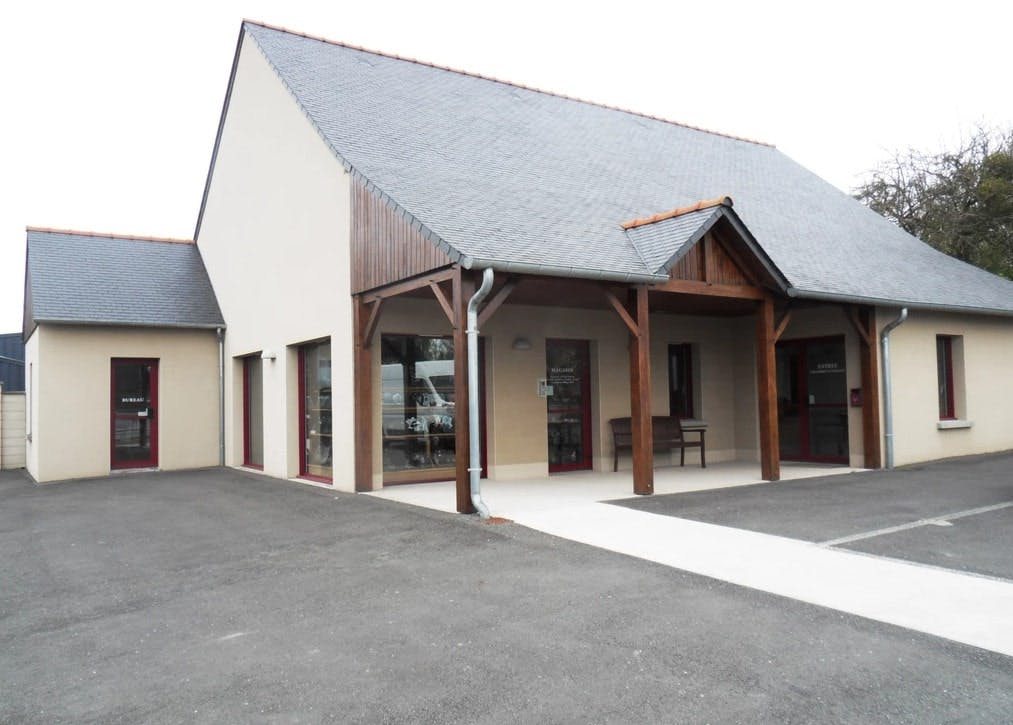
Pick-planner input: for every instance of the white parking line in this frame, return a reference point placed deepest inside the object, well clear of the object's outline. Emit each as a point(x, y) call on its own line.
point(934, 521)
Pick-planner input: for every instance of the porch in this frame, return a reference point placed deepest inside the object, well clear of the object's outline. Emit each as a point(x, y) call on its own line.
point(563, 494)
point(723, 306)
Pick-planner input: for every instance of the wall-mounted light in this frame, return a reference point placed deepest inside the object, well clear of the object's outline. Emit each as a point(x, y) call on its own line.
point(267, 355)
point(521, 343)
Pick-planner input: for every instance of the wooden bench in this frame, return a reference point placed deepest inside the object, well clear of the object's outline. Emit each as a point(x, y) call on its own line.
point(668, 435)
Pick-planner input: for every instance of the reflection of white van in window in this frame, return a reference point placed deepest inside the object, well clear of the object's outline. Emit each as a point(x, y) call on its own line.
point(432, 385)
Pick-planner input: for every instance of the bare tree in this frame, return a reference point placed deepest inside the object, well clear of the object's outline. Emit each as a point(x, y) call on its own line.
point(959, 201)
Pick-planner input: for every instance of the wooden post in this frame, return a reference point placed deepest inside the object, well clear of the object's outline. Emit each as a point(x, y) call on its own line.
point(872, 440)
point(766, 383)
point(640, 395)
point(363, 393)
point(463, 289)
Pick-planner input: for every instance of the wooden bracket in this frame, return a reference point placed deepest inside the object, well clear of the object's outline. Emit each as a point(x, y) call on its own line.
point(621, 311)
point(782, 325)
point(496, 301)
point(856, 321)
point(448, 309)
point(370, 327)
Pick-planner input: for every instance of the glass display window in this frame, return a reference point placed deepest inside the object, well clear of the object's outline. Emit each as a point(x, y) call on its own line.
point(419, 416)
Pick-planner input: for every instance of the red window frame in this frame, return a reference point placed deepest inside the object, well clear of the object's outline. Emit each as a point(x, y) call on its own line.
point(586, 463)
point(944, 370)
point(153, 419)
point(303, 473)
point(246, 413)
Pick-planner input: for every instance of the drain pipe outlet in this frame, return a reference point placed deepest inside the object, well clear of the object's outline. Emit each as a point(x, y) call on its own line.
point(474, 448)
point(221, 397)
point(884, 339)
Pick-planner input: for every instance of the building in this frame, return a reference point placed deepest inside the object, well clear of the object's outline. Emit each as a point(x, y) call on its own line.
point(122, 366)
point(12, 363)
point(355, 199)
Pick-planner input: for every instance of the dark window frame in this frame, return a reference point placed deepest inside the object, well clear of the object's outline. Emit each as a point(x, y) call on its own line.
point(686, 408)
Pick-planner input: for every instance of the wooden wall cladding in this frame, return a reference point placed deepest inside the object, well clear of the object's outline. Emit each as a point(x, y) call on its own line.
point(385, 248)
point(690, 267)
point(708, 261)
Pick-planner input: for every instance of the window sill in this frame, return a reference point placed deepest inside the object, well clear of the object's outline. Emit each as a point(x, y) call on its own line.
point(954, 424)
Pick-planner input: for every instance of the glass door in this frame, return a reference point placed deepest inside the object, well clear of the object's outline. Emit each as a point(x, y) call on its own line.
point(315, 411)
point(134, 416)
point(812, 400)
point(568, 371)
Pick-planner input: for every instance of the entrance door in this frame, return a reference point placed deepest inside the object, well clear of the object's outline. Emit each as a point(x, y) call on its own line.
point(134, 409)
point(812, 400)
point(568, 371)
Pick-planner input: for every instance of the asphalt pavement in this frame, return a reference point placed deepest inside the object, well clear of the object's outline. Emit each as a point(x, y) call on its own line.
point(956, 514)
point(221, 596)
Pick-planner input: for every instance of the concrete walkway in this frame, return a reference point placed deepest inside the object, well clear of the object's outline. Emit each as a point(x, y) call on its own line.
point(965, 608)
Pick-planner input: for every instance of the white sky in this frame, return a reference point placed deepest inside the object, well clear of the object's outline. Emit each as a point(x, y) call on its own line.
point(110, 108)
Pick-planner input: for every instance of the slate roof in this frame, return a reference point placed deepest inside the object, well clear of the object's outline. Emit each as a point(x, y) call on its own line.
point(86, 278)
point(661, 243)
point(518, 179)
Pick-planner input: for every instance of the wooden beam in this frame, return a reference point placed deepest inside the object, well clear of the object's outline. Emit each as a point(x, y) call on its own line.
point(371, 322)
point(496, 301)
point(640, 395)
point(409, 285)
point(362, 404)
point(766, 380)
point(692, 287)
point(448, 309)
point(872, 440)
point(621, 311)
point(463, 288)
point(782, 325)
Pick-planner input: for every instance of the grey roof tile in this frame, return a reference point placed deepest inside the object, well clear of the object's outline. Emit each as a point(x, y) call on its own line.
point(88, 278)
point(663, 241)
point(510, 176)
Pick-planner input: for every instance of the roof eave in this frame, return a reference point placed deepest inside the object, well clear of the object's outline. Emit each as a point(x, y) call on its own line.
point(798, 293)
point(550, 270)
point(122, 323)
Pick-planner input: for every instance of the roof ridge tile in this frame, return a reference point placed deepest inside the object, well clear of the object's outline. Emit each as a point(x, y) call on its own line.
point(720, 201)
point(107, 235)
point(473, 74)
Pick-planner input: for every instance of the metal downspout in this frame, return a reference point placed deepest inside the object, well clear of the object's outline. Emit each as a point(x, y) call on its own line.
point(884, 338)
point(221, 397)
point(474, 446)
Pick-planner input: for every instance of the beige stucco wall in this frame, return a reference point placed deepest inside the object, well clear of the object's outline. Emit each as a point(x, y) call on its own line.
point(830, 321)
point(987, 396)
point(12, 430)
point(71, 426)
point(517, 417)
point(275, 240)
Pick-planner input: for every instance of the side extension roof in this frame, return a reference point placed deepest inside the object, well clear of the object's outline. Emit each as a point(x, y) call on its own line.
point(104, 279)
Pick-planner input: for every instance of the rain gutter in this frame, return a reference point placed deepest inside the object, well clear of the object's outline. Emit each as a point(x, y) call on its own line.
point(884, 338)
point(474, 445)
